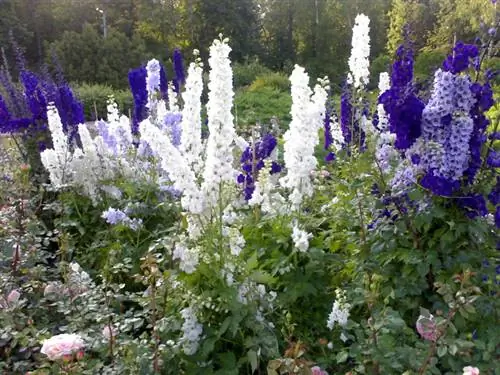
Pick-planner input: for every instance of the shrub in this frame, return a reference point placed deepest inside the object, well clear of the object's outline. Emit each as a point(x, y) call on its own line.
point(426, 63)
point(379, 65)
point(94, 96)
point(276, 81)
point(260, 106)
point(244, 74)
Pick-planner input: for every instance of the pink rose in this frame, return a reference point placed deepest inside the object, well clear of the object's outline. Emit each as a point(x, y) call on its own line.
point(62, 346)
point(469, 370)
point(109, 332)
point(426, 326)
point(316, 370)
point(13, 297)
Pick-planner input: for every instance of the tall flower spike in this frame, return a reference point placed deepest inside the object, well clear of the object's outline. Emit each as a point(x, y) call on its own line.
point(302, 136)
point(400, 103)
point(57, 160)
point(137, 81)
point(180, 77)
point(191, 145)
point(359, 62)
point(219, 151)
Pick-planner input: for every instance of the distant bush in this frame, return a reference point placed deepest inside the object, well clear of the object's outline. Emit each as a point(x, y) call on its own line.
point(426, 63)
point(245, 73)
point(493, 64)
point(275, 81)
point(88, 57)
point(94, 96)
point(259, 106)
point(381, 64)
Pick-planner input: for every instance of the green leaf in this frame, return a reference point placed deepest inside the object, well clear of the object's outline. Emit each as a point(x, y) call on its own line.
point(442, 350)
point(252, 359)
point(342, 357)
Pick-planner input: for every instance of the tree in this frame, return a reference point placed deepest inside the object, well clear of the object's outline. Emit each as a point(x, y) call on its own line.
point(460, 20)
point(88, 57)
point(417, 15)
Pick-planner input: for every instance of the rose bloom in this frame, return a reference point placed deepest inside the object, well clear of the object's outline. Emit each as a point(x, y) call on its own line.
point(108, 332)
point(316, 370)
point(426, 326)
point(469, 370)
point(62, 346)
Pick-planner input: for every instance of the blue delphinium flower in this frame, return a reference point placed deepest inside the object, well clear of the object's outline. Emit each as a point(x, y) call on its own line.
point(4, 114)
point(172, 123)
point(137, 81)
point(163, 83)
point(483, 96)
point(493, 159)
point(446, 130)
point(474, 205)
point(327, 130)
point(346, 114)
point(180, 77)
point(494, 195)
point(252, 161)
point(461, 58)
point(400, 102)
point(114, 217)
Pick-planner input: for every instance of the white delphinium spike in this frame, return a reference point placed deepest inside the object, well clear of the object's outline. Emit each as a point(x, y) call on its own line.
point(188, 258)
point(270, 202)
point(90, 167)
point(191, 145)
point(300, 238)
point(191, 331)
point(57, 160)
point(359, 63)
point(336, 132)
point(172, 162)
point(302, 136)
point(385, 154)
point(384, 84)
point(112, 108)
point(219, 152)
point(173, 105)
point(340, 310)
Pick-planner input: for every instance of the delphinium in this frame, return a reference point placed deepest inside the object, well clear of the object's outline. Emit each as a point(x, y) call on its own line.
point(23, 111)
point(253, 161)
point(352, 102)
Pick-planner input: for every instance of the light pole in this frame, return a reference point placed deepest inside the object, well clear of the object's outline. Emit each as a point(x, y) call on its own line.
point(104, 26)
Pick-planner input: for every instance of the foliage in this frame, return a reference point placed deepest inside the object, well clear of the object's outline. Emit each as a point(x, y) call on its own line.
point(426, 63)
point(89, 57)
point(275, 81)
point(160, 264)
point(94, 96)
point(260, 106)
point(245, 73)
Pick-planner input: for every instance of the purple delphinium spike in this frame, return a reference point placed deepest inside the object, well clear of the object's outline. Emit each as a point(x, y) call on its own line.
point(346, 112)
point(327, 130)
point(137, 81)
point(483, 96)
point(400, 102)
point(172, 123)
point(461, 58)
point(180, 77)
point(250, 166)
point(36, 100)
point(163, 83)
point(474, 205)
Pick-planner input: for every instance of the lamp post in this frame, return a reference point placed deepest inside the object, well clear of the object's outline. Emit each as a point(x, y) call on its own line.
point(104, 26)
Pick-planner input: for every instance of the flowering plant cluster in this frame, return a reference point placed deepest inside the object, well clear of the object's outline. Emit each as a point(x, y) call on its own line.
point(179, 252)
